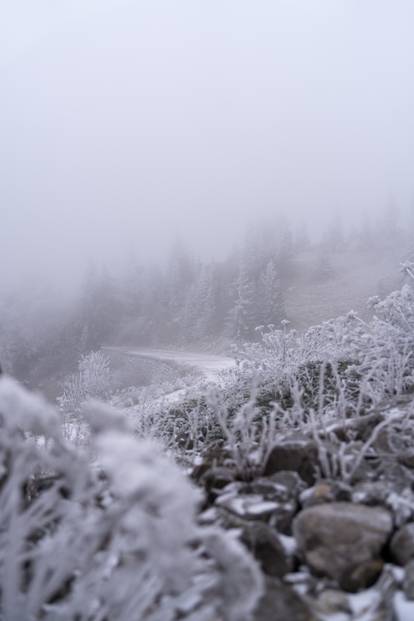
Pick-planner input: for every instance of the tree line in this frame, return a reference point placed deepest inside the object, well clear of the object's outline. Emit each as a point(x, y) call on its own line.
point(187, 300)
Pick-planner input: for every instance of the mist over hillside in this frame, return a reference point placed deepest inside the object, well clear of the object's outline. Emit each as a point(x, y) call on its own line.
point(275, 274)
point(206, 310)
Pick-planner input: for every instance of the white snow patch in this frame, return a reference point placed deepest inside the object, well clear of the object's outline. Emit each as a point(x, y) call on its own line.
point(403, 607)
point(210, 365)
point(288, 543)
point(249, 505)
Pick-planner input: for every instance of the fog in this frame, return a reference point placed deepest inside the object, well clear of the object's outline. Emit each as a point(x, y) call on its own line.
point(126, 124)
point(206, 310)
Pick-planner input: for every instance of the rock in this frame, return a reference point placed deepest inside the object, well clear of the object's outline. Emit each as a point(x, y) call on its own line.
point(383, 442)
point(269, 489)
point(209, 517)
point(267, 499)
point(363, 576)
point(282, 488)
point(267, 548)
point(299, 455)
point(215, 479)
point(215, 455)
point(402, 545)
point(247, 506)
point(409, 581)
point(369, 493)
point(332, 602)
point(407, 459)
point(395, 475)
point(337, 538)
point(282, 603)
point(367, 469)
point(325, 491)
point(401, 505)
point(292, 483)
point(303, 582)
point(396, 498)
point(374, 604)
point(360, 426)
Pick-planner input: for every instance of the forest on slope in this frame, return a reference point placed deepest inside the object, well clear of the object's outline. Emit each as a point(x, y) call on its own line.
point(276, 274)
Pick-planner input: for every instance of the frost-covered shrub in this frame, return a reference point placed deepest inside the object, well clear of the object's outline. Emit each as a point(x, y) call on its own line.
point(364, 361)
point(114, 542)
point(342, 368)
point(93, 380)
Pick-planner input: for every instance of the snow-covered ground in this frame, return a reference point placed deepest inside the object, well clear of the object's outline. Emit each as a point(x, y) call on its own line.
point(354, 279)
point(209, 365)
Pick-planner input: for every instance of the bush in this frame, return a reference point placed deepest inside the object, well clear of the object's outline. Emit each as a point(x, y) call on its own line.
point(93, 380)
point(343, 368)
point(119, 542)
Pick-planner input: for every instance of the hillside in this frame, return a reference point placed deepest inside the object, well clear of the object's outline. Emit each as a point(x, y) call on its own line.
point(292, 473)
point(352, 278)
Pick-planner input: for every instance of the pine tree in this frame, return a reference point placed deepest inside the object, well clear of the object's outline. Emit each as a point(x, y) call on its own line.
point(100, 309)
point(180, 278)
point(302, 240)
point(271, 298)
point(242, 317)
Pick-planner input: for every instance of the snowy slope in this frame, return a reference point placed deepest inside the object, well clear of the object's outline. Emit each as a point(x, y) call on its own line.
point(209, 365)
point(354, 279)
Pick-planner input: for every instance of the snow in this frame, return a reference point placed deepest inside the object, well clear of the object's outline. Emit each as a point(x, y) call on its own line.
point(364, 607)
point(251, 505)
point(288, 543)
point(210, 365)
point(403, 607)
point(364, 603)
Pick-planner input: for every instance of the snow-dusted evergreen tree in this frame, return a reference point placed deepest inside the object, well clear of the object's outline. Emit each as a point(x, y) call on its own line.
point(100, 309)
point(156, 312)
point(93, 380)
point(30, 321)
point(285, 251)
point(8, 337)
point(271, 301)
point(324, 269)
point(301, 239)
point(334, 238)
point(242, 317)
point(179, 277)
point(189, 314)
point(388, 229)
point(205, 303)
point(133, 286)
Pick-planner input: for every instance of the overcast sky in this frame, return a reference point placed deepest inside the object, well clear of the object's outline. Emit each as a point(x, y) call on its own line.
point(126, 123)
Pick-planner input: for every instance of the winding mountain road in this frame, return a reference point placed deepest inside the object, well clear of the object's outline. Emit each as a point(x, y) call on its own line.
point(210, 366)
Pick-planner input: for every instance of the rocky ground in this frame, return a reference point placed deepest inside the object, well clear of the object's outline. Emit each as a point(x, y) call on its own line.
point(330, 519)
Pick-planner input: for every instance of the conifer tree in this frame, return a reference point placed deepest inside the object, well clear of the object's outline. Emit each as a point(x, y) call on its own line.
point(271, 298)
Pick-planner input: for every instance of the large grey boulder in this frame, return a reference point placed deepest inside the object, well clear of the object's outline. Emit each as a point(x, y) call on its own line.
point(272, 500)
point(402, 545)
point(344, 541)
point(325, 491)
point(215, 479)
point(281, 603)
point(409, 581)
point(298, 454)
point(267, 548)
